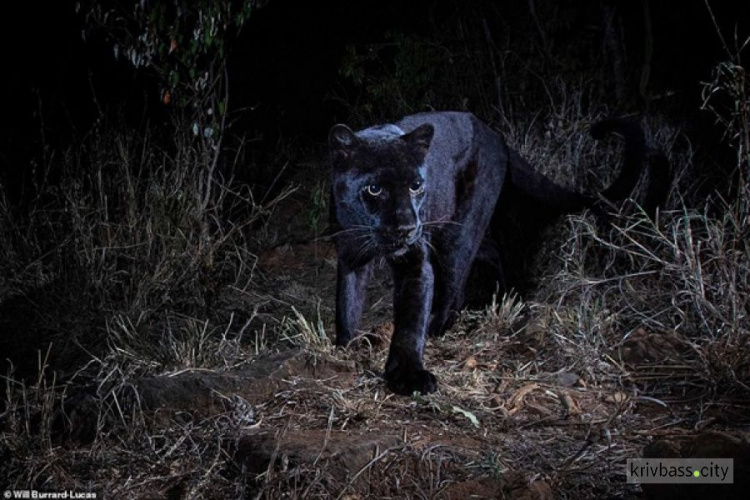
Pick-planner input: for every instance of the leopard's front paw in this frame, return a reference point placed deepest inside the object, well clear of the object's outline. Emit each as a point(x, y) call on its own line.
point(406, 382)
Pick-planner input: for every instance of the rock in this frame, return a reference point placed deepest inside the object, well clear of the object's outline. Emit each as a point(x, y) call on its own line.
point(512, 485)
point(201, 394)
point(341, 454)
point(479, 488)
point(566, 379)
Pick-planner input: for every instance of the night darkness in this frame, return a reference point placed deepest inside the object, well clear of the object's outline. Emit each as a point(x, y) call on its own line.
point(286, 64)
point(168, 279)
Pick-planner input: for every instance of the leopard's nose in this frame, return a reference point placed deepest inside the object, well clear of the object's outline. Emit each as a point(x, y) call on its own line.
point(407, 232)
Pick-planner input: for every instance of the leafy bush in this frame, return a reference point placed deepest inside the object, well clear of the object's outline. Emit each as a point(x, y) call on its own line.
point(184, 44)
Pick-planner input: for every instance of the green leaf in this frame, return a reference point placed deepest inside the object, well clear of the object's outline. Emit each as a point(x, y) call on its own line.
point(474, 420)
point(417, 396)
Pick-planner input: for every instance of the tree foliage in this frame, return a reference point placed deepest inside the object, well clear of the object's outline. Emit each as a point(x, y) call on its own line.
point(183, 43)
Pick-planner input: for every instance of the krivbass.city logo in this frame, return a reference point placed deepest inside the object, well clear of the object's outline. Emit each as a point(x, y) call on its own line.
point(680, 470)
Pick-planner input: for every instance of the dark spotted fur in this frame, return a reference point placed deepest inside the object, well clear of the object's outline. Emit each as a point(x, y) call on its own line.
point(421, 193)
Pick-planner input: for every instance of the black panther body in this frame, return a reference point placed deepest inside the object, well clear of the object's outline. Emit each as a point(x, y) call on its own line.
point(421, 193)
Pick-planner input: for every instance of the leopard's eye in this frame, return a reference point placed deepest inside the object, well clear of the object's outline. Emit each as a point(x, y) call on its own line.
point(416, 187)
point(373, 189)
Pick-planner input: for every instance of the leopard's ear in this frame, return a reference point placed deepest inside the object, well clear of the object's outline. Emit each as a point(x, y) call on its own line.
point(341, 137)
point(420, 137)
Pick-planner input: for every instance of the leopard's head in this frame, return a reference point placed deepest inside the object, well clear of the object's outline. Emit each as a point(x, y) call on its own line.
point(379, 186)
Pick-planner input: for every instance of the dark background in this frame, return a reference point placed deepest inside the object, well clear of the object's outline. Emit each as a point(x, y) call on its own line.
point(286, 63)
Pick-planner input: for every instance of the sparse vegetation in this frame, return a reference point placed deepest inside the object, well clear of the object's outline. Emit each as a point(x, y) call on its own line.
point(142, 288)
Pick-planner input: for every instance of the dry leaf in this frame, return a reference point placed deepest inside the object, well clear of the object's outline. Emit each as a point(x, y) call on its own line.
point(617, 398)
point(516, 402)
point(570, 404)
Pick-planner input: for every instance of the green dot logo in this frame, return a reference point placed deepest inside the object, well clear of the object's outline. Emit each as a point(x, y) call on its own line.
point(696, 473)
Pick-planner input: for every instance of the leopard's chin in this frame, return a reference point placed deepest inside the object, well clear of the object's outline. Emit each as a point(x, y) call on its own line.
point(400, 251)
point(397, 247)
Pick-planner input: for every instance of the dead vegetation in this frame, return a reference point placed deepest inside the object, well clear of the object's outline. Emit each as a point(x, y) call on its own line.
point(541, 398)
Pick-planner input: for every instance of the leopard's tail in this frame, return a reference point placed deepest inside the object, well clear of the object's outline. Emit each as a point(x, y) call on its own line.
point(636, 158)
